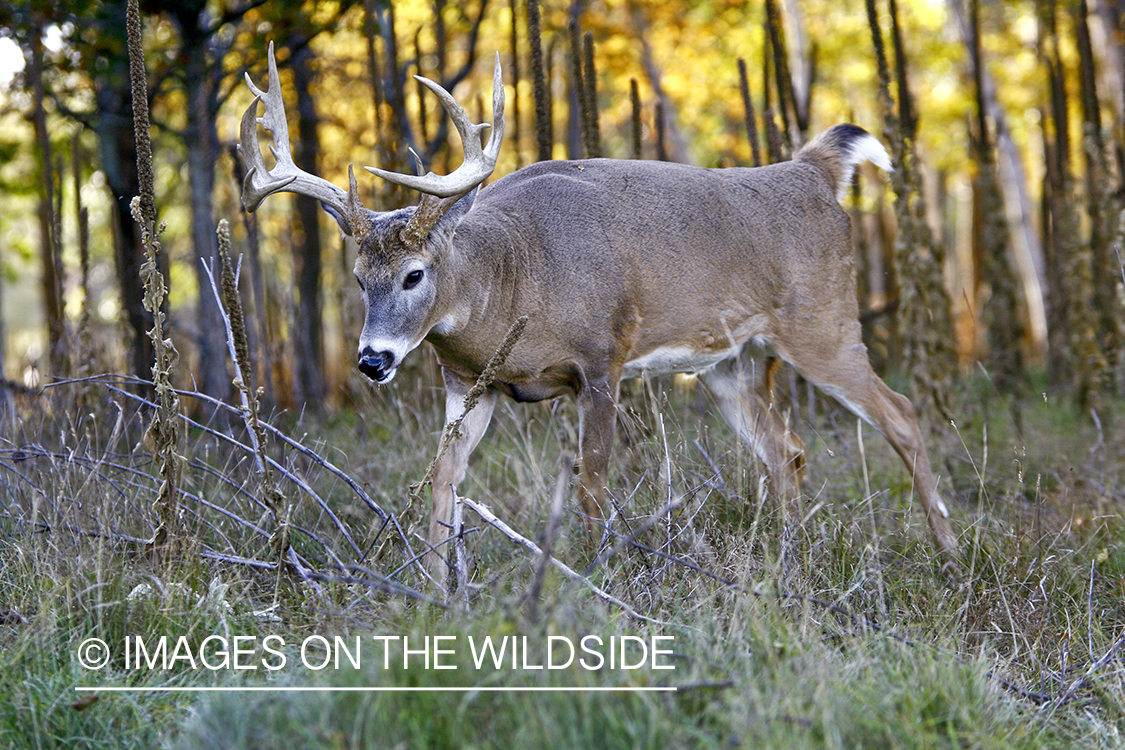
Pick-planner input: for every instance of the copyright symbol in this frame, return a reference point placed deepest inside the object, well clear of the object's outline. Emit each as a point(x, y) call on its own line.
point(93, 653)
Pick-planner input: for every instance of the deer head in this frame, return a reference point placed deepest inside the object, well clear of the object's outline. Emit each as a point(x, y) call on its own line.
point(403, 254)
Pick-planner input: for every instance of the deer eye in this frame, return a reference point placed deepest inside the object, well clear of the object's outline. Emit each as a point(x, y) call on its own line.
point(412, 279)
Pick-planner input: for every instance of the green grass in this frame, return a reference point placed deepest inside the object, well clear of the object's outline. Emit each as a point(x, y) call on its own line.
point(856, 640)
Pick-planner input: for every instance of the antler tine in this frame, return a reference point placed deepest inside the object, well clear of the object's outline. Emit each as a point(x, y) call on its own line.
point(261, 182)
point(257, 183)
point(496, 137)
point(479, 162)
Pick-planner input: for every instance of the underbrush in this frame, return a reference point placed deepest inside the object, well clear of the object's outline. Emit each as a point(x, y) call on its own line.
point(853, 637)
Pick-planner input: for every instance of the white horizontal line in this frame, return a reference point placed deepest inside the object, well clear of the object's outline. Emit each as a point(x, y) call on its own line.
point(307, 689)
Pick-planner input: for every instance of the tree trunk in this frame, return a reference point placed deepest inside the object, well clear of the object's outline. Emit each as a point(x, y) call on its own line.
point(200, 140)
point(1101, 206)
point(801, 63)
point(750, 117)
point(1108, 18)
point(308, 375)
point(49, 251)
point(929, 352)
point(679, 151)
point(590, 97)
point(514, 74)
point(999, 315)
point(1078, 353)
point(775, 142)
point(1018, 206)
point(575, 120)
point(119, 163)
point(786, 101)
point(118, 149)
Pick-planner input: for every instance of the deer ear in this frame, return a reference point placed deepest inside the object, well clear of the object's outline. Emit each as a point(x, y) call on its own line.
point(452, 218)
point(345, 227)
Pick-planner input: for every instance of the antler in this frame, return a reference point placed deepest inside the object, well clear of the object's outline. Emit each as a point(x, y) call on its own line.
point(478, 164)
point(260, 182)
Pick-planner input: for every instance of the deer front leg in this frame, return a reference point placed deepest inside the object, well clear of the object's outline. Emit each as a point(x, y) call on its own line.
point(597, 418)
point(449, 469)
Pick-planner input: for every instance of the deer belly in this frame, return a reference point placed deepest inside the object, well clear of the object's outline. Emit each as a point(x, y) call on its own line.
point(668, 359)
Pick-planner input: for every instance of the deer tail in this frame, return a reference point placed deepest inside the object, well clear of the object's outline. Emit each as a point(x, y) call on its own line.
point(838, 150)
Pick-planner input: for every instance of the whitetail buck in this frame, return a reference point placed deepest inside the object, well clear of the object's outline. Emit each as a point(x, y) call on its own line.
point(622, 268)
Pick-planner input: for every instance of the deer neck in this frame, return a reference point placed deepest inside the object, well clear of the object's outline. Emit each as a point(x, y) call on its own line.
point(477, 302)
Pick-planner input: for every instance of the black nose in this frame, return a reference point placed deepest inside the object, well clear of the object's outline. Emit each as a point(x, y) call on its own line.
point(375, 365)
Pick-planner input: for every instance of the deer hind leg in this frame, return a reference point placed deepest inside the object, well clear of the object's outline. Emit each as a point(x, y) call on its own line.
point(846, 375)
point(450, 468)
point(742, 389)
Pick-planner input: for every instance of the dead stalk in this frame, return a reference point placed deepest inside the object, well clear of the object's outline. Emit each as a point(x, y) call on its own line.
point(452, 429)
point(162, 435)
point(1075, 686)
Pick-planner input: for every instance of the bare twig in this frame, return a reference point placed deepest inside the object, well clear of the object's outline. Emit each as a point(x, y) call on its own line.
point(109, 381)
point(460, 553)
point(298, 481)
point(1077, 685)
point(523, 541)
point(630, 539)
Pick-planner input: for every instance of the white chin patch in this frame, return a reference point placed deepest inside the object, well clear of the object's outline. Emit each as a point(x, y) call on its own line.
point(390, 376)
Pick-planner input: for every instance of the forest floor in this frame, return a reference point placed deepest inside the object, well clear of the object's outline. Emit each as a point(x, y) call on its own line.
point(687, 624)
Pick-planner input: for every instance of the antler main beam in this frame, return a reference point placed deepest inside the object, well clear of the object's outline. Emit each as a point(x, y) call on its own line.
point(260, 182)
point(479, 161)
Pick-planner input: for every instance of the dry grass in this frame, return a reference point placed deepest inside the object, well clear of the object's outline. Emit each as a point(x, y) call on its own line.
point(845, 644)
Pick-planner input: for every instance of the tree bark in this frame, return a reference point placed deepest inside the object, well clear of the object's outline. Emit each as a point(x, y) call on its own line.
point(49, 251)
point(679, 150)
point(201, 143)
point(998, 309)
point(1101, 206)
point(786, 102)
point(1077, 353)
point(119, 164)
point(750, 117)
point(1018, 206)
point(514, 73)
point(308, 372)
point(801, 63)
point(929, 352)
point(576, 120)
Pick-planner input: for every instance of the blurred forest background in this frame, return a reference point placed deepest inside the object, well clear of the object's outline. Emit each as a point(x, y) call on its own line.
point(994, 245)
point(990, 280)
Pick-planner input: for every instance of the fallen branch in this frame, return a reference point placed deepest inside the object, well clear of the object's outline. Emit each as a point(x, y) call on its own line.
point(509, 532)
point(1077, 685)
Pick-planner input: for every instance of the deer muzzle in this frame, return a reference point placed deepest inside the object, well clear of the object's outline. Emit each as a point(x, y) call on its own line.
point(378, 366)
